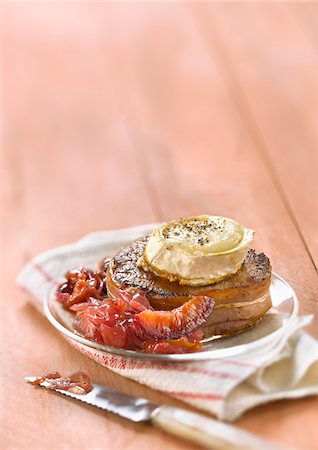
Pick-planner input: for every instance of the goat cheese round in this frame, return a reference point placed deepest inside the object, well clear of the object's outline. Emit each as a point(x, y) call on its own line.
point(197, 250)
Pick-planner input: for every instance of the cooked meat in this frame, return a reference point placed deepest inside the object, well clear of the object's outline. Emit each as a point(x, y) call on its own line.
point(241, 299)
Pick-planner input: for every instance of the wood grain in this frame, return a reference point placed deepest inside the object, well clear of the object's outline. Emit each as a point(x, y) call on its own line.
point(193, 162)
point(120, 114)
point(277, 96)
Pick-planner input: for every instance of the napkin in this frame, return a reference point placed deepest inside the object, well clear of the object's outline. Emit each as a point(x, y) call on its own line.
point(225, 387)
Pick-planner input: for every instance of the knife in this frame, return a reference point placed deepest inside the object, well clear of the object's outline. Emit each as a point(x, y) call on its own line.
point(196, 428)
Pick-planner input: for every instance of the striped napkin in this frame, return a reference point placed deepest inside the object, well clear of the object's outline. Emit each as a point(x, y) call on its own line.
point(224, 387)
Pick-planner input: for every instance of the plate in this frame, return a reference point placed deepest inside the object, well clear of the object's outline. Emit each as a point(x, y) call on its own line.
point(266, 334)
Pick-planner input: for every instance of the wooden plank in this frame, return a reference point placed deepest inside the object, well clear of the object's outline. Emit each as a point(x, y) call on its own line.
point(196, 146)
point(201, 157)
point(72, 147)
point(69, 169)
point(136, 79)
point(274, 78)
point(307, 16)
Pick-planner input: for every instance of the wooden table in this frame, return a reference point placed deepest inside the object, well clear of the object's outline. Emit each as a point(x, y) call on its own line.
point(122, 114)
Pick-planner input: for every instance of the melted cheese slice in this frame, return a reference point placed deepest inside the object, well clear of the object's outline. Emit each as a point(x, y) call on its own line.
point(198, 250)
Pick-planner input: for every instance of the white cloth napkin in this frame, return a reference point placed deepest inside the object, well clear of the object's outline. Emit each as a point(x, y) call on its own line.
point(224, 387)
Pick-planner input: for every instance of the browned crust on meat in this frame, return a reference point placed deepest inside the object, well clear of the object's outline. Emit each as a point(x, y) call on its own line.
point(241, 299)
point(123, 271)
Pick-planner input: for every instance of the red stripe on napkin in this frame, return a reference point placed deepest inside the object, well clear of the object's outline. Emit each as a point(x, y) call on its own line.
point(41, 269)
point(29, 293)
point(195, 395)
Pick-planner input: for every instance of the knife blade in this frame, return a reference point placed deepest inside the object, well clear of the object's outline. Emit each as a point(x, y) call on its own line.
point(194, 427)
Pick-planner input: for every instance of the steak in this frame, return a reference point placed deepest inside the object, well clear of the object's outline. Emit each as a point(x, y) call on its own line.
point(241, 299)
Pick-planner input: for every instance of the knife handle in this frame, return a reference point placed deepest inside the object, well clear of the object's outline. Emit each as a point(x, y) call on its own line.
point(206, 432)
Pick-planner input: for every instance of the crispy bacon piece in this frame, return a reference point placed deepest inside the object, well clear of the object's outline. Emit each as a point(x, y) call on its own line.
point(77, 383)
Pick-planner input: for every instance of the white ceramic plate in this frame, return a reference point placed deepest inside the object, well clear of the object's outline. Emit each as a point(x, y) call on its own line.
point(265, 334)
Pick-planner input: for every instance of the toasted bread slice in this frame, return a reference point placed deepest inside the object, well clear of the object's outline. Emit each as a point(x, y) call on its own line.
point(241, 299)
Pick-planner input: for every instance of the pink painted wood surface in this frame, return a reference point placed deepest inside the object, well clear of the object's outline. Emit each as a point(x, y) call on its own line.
point(121, 114)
